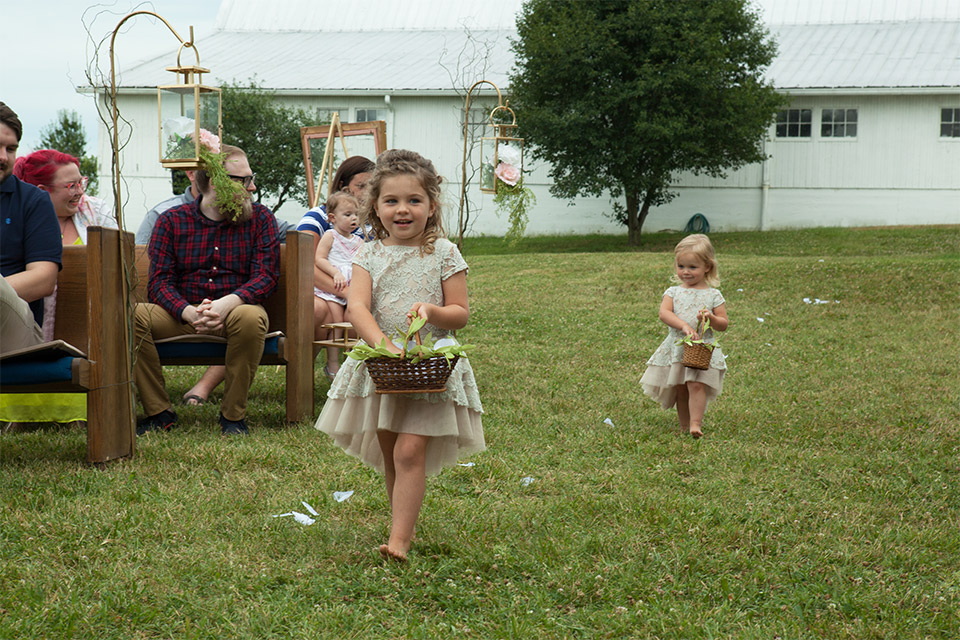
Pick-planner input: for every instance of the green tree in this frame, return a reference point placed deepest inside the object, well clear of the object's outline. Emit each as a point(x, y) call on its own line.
point(66, 134)
point(269, 133)
point(621, 95)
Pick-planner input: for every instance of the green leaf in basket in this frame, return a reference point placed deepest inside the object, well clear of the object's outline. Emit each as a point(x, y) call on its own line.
point(416, 323)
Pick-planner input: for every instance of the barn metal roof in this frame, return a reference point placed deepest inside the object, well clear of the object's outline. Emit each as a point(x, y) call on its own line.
point(343, 61)
point(903, 55)
point(863, 56)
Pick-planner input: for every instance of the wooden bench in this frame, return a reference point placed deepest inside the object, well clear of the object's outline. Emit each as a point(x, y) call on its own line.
point(91, 350)
point(290, 310)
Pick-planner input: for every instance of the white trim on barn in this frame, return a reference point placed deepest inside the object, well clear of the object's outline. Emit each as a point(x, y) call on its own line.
point(895, 63)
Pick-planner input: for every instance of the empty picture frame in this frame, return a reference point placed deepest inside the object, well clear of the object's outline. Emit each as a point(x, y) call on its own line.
point(367, 139)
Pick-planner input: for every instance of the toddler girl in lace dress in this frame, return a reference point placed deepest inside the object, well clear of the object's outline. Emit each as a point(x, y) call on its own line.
point(410, 268)
point(666, 380)
point(334, 257)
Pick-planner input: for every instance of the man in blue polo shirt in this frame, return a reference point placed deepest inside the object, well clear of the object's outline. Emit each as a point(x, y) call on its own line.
point(30, 246)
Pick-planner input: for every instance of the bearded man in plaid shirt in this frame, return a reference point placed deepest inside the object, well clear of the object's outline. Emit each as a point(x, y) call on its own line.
point(209, 274)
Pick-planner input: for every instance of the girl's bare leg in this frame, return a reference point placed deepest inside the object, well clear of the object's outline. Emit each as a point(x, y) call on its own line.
point(698, 406)
point(683, 407)
point(320, 316)
point(387, 440)
point(405, 490)
point(334, 314)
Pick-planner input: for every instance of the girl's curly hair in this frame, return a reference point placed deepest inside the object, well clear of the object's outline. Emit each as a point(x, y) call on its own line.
point(396, 162)
point(699, 245)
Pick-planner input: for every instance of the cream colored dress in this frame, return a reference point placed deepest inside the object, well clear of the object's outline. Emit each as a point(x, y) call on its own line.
point(665, 369)
point(353, 411)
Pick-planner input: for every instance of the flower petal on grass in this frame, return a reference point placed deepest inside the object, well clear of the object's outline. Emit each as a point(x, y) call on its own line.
point(527, 481)
point(303, 518)
point(608, 421)
point(312, 511)
point(340, 496)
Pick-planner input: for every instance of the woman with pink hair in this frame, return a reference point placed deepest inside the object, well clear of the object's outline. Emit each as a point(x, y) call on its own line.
point(58, 174)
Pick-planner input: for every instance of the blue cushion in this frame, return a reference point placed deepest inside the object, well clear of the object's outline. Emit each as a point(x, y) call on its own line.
point(35, 372)
point(174, 350)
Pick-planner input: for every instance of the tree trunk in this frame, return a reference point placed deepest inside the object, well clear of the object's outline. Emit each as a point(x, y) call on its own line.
point(634, 222)
point(636, 214)
point(633, 225)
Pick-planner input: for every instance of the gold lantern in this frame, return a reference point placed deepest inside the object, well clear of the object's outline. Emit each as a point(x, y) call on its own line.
point(501, 155)
point(187, 111)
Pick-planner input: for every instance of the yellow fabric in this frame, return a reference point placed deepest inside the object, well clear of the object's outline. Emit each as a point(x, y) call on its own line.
point(43, 407)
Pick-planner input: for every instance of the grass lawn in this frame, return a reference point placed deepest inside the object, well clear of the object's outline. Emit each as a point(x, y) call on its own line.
point(821, 503)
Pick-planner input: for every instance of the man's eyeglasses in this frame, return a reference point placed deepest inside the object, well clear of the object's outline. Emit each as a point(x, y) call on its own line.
point(74, 187)
point(245, 180)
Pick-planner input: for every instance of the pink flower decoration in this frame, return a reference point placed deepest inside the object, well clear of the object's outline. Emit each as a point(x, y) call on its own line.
point(210, 141)
point(507, 173)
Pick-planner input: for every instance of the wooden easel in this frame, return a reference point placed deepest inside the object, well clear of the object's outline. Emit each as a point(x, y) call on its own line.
point(326, 167)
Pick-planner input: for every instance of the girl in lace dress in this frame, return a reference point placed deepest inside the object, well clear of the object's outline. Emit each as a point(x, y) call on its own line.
point(410, 268)
point(334, 257)
point(666, 380)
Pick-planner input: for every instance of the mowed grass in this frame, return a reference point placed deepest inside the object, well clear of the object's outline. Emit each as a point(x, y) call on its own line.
point(822, 502)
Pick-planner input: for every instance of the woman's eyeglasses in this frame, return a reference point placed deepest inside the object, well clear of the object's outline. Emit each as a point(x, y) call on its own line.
point(74, 187)
point(245, 180)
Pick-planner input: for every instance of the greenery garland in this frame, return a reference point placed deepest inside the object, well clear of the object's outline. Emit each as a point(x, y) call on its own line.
point(514, 201)
point(230, 193)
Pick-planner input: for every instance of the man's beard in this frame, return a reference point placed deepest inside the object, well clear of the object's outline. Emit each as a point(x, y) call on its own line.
point(246, 211)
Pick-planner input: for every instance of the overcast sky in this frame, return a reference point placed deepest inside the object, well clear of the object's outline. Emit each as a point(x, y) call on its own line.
point(47, 50)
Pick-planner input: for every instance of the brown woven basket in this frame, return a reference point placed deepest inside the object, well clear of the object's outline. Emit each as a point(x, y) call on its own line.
point(394, 375)
point(697, 356)
point(399, 375)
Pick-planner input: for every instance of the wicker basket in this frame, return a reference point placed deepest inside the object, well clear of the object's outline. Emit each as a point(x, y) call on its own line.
point(399, 375)
point(394, 375)
point(697, 356)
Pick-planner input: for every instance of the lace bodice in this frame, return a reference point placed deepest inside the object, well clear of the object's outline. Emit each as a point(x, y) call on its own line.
point(686, 304)
point(402, 276)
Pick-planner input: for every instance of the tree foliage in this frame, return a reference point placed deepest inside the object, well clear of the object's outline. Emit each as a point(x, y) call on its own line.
point(621, 95)
point(66, 134)
point(269, 133)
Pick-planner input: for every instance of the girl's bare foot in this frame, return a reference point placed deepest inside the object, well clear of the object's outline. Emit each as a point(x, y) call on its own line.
point(695, 431)
point(389, 554)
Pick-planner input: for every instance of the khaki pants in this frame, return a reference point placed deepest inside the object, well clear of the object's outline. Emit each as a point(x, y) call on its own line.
point(244, 329)
point(18, 329)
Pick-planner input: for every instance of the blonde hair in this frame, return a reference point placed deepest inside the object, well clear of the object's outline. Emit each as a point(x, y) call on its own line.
point(336, 199)
point(699, 245)
point(397, 162)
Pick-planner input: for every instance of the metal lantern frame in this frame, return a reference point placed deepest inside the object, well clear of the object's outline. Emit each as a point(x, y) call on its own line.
point(115, 147)
point(188, 92)
point(502, 135)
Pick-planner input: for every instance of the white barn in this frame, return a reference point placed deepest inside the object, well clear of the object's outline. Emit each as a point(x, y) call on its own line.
point(871, 135)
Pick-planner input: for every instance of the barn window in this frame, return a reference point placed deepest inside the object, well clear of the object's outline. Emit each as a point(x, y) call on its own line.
point(838, 123)
point(794, 123)
point(950, 123)
point(369, 115)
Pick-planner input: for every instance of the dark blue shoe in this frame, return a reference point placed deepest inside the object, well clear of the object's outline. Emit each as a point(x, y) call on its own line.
point(233, 427)
point(163, 421)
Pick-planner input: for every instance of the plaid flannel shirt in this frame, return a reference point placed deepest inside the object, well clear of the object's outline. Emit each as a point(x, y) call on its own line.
point(193, 257)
